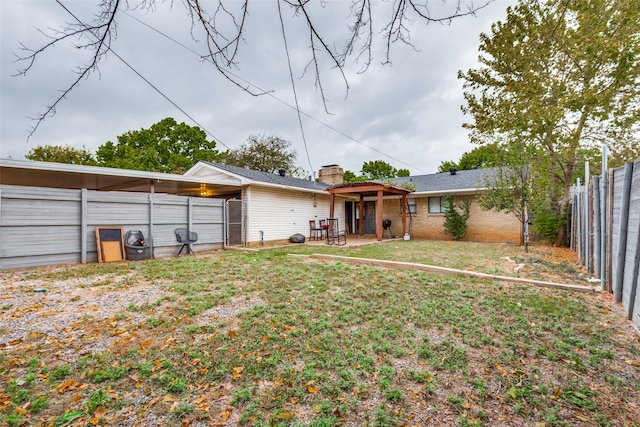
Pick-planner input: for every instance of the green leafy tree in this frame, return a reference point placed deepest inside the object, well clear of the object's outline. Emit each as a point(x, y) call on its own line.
point(455, 222)
point(485, 156)
point(375, 170)
point(166, 146)
point(378, 169)
point(349, 176)
point(510, 188)
point(265, 153)
point(558, 75)
point(61, 154)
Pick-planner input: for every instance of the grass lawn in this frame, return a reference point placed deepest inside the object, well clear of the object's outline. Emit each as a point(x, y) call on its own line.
point(266, 339)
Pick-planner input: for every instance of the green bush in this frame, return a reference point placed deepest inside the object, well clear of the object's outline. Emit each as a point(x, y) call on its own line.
point(455, 223)
point(547, 225)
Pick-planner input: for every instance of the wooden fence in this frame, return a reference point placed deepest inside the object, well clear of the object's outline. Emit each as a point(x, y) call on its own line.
point(49, 226)
point(605, 232)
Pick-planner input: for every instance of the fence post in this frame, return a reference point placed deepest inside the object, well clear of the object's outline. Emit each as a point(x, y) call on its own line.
point(83, 225)
point(596, 225)
point(151, 221)
point(624, 220)
point(572, 229)
point(578, 199)
point(603, 221)
point(610, 193)
point(634, 282)
point(587, 232)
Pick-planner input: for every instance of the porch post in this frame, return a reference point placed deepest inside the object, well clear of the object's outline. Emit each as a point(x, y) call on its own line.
point(332, 201)
point(379, 217)
point(361, 214)
point(404, 214)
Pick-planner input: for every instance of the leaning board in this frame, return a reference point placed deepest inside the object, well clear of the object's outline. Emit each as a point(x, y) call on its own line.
point(110, 243)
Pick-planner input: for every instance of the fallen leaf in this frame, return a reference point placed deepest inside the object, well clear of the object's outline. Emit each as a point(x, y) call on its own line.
point(226, 413)
point(285, 415)
point(232, 334)
point(312, 389)
point(99, 413)
point(512, 392)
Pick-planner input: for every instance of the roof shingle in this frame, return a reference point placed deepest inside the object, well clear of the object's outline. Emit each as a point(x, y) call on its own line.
point(271, 178)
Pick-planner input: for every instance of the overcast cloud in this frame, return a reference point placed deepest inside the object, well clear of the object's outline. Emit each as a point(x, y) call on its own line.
point(408, 112)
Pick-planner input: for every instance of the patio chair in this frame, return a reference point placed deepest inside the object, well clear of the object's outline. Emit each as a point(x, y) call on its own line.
point(323, 227)
point(186, 237)
point(315, 232)
point(335, 236)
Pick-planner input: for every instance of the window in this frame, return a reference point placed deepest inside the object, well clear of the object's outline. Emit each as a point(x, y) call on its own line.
point(413, 206)
point(436, 205)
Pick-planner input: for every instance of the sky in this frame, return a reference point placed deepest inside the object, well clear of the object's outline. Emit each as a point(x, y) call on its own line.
point(406, 113)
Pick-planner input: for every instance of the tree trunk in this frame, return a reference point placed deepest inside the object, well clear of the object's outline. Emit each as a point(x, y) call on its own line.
point(565, 201)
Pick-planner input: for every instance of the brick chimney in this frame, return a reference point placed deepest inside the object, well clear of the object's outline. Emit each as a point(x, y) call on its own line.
point(331, 174)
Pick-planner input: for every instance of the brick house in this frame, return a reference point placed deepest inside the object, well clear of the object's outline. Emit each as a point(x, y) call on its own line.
point(427, 212)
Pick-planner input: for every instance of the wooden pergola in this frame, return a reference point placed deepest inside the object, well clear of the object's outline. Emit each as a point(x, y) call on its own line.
point(370, 189)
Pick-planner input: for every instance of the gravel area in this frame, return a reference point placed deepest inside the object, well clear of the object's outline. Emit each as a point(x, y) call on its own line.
point(36, 307)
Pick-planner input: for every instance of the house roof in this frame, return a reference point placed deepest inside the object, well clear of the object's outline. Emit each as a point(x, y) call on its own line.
point(463, 180)
point(271, 178)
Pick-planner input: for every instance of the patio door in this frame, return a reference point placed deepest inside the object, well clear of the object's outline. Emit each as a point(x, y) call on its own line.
point(369, 217)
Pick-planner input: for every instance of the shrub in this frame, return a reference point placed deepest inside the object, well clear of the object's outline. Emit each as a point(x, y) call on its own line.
point(455, 223)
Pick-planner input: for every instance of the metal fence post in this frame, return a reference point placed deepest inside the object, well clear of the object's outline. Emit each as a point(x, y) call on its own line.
point(596, 226)
point(603, 221)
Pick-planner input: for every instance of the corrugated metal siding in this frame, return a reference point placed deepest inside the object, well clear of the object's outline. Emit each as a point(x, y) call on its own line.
point(282, 213)
point(43, 226)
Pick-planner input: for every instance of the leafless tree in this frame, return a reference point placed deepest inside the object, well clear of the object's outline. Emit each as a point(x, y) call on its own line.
point(224, 24)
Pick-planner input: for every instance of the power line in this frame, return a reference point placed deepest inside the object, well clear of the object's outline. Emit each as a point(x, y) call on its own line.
point(269, 93)
point(293, 86)
point(145, 80)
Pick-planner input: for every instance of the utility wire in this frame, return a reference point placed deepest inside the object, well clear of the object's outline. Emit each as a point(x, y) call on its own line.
point(143, 78)
point(293, 86)
point(269, 93)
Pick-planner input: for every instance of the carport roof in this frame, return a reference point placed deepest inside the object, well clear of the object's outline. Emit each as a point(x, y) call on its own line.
point(59, 175)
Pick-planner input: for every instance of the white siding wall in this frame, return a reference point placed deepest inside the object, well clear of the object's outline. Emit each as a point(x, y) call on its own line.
point(279, 213)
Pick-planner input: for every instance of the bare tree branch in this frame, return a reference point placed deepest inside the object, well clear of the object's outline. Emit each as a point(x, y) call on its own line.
point(224, 29)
